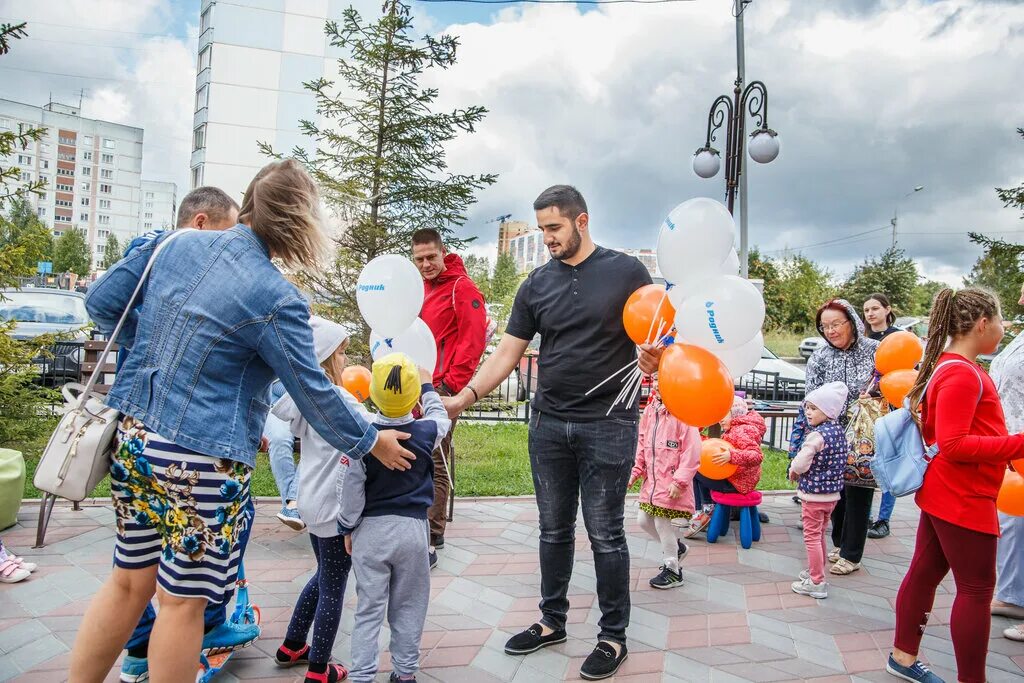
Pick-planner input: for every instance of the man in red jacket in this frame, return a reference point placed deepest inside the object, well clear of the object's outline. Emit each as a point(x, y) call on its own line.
point(454, 310)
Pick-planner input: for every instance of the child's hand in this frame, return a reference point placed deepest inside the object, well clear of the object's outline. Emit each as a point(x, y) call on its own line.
point(674, 490)
point(793, 476)
point(632, 480)
point(722, 458)
point(348, 544)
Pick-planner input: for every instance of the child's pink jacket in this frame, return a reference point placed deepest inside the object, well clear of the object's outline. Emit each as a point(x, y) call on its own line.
point(667, 451)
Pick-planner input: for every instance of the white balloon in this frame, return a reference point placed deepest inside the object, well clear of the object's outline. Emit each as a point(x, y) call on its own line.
point(731, 264)
point(742, 359)
point(694, 239)
point(390, 294)
point(725, 312)
point(416, 341)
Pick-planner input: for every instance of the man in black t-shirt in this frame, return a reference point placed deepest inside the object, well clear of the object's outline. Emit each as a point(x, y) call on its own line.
point(577, 449)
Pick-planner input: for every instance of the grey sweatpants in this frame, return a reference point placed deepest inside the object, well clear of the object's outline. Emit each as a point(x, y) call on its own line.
point(389, 558)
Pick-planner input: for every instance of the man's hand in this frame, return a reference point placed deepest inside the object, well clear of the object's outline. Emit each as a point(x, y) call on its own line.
point(425, 376)
point(458, 403)
point(348, 544)
point(264, 444)
point(674, 490)
point(650, 356)
point(722, 458)
point(390, 452)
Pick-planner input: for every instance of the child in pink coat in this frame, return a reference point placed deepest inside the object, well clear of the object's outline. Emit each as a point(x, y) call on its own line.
point(667, 457)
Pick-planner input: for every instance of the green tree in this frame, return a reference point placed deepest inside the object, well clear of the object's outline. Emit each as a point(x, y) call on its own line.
point(23, 229)
point(892, 273)
point(479, 270)
point(111, 252)
point(762, 268)
point(999, 268)
point(380, 154)
point(71, 253)
point(22, 402)
point(1013, 196)
point(504, 285)
point(924, 294)
point(803, 287)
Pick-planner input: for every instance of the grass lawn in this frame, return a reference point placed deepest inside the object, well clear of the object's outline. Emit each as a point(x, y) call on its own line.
point(491, 460)
point(784, 343)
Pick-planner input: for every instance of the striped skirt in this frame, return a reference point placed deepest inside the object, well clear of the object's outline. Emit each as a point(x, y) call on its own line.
point(177, 509)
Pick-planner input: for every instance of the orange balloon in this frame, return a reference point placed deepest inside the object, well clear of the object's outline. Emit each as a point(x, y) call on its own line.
point(1011, 495)
point(898, 351)
point(695, 386)
point(897, 384)
point(1018, 465)
point(709, 449)
point(646, 309)
point(356, 380)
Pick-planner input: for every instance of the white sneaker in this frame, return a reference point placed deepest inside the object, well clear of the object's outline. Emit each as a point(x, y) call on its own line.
point(807, 587)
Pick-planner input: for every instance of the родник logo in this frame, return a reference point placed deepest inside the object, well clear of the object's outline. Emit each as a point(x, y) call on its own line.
point(370, 288)
point(711, 322)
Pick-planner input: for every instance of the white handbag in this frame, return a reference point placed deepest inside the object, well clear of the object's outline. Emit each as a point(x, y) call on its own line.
point(78, 455)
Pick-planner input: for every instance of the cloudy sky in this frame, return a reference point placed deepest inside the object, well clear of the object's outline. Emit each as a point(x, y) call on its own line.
point(870, 98)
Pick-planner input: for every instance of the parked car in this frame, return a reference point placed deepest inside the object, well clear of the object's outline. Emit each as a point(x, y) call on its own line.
point(773, 379)
point(41, 310)
point(811, 344)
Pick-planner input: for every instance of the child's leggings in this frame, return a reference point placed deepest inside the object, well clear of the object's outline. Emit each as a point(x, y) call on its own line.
point(971, 555)
point(662, 529)
point(815, 517)
point(321, 600)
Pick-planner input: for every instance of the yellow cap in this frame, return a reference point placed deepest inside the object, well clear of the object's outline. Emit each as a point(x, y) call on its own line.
point(395, 388)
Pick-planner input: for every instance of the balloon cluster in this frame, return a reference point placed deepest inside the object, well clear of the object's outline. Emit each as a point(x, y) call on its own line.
point(718, 315)
point(895, 360)
point(389, 293)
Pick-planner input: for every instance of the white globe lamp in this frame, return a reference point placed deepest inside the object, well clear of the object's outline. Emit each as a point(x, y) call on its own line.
point(764, 145)
point(706, 162)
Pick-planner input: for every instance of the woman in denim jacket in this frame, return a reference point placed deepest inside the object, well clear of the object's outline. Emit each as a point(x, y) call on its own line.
point(215, 324)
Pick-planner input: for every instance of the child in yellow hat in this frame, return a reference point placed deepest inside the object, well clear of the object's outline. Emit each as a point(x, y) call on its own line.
point(384, 520)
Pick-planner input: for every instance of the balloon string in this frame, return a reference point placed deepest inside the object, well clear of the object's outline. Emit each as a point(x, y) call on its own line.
point(612, 376)
point(657, 316)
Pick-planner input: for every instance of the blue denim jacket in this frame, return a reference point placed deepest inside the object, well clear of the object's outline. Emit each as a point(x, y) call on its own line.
point(216, 324)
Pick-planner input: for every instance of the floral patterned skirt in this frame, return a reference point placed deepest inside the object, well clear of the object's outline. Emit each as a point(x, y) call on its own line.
point(178, 509)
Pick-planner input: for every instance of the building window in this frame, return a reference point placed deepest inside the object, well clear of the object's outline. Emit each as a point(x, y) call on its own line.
point(83, 217)
point(43, 177)
point(149, 195)
point(99, 249)
point(86, 187)
point(197, 177)
point(202, 97)
point(5, 124)
point(204, 57)
point(148, 215)
point(106, 174)
point(65, 156)
point(102, 234)
point(108, 143)
point(85, 201)
point(149, 205)
point(86, 170)
point(66, 188)
point(44, 148)
point(107, 158)
point(62, 219)
point(103, 220)
point(104, 203)
point(41, 212)
point(86, 156)
point(44, 163)
point(147, 225)
point(65, 171)
point(62, 202)
point(87, 140)
point(204, 20)
point(26, 177)
point(199, 137)
point(64, 140)
point(105, 189)
point(24, 160)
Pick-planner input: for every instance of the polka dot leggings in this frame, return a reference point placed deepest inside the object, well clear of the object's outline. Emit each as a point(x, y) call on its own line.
point(321, 600)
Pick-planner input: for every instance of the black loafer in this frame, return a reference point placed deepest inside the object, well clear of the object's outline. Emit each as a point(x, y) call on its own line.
point(531, 640)
point(602, 662)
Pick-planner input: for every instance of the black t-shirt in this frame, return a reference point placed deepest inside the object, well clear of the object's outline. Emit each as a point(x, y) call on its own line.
point(879, 336)
point(578, 312)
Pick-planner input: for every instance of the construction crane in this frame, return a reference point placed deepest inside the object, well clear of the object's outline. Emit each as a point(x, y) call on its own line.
point(500, 219)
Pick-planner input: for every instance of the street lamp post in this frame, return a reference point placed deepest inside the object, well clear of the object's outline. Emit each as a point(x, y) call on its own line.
point(896, 211)
point(732, 113)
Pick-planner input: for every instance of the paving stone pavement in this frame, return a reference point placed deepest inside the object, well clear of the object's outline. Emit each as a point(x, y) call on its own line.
point(734, 620)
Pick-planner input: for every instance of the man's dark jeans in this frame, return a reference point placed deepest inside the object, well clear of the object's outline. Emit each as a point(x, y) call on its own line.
point(594, 458)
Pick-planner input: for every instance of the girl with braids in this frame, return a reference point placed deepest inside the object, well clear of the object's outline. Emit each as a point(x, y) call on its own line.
point(959, 527)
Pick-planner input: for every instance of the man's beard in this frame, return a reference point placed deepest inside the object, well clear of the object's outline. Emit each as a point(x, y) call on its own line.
point(572, 247)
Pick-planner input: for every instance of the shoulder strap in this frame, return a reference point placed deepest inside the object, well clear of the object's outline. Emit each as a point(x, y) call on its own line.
point(124, 316)
point(981, 384)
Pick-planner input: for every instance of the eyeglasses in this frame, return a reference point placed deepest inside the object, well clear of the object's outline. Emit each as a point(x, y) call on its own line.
point(834, 327)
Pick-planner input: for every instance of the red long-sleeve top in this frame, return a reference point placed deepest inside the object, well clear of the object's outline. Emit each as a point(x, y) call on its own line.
point(962, 482)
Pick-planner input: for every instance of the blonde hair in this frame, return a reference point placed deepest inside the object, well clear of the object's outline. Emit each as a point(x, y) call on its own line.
point(953, 314)
point(282, 206)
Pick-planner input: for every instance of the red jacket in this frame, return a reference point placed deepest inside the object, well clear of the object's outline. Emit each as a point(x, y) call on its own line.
point(453, 309)
point(744, 435)
point(963, 480)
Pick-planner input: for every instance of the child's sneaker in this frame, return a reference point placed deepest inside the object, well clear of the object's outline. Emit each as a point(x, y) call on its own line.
point(134, 669)
point(394, 678)
point(917, 672)
point(700, 521)
point(807, 587)
point(667, 579)
point(683, 549)
point(290, 518)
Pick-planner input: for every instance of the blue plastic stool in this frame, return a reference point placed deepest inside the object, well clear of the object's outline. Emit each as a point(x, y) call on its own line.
point(750, 523)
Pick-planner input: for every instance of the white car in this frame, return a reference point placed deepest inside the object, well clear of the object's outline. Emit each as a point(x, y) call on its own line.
point(811, 344)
